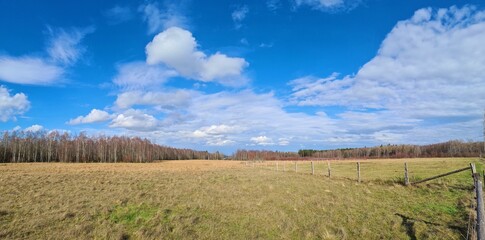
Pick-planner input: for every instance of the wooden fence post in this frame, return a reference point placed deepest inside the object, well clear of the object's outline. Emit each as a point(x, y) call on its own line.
point(296, 166)
point(284, 166)
point(277, 166)
point(253, 163)
point(358, 172)
point(406, 176)
point(480, 211)
point(480, 206)
point(329, 169)
point(313, 169)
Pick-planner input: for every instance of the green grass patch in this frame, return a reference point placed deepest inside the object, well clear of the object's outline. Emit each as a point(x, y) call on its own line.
point(132, 216)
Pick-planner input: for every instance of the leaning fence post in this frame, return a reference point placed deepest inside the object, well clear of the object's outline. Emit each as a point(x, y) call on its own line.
point(358, 172)
point(406, 176)
point(329, 170)
point(313, 169)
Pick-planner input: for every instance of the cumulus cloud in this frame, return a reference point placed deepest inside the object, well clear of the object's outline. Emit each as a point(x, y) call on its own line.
point(28, 70)
point(135, 75)
point(136, 120)
point(161, 100)
point(118, 14)
point(262, 140)
point(410, 92)
point(34, 128)
point(12, 105)
point(428, 66)
point(220, 142)
point(223, 119)
point(94, 116)
point(245, 114)
point(177, 48)
point(159, 20)
point(217, 135)
point(64, 46)
point(221, 129)
point(283, 141)
point(428, 71)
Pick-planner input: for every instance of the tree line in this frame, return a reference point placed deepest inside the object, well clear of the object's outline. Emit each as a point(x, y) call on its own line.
point(54, 146)
point(446, 149)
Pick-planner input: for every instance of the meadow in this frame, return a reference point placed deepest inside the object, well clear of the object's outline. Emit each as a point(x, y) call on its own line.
point(200, 199)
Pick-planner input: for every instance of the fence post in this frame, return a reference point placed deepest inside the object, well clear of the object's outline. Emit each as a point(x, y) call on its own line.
point(277, 166)
point(329, 169)
point(313, 169)
point(253, 163)
point(406, 176)
point(284, 166)
point(358, 172)
point(480, 207)
point(296, 166)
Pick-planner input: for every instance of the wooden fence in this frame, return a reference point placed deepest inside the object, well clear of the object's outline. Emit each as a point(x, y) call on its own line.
point(407, 181)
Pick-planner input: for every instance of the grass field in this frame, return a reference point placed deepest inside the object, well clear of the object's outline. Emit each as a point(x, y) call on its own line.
point(229, 200)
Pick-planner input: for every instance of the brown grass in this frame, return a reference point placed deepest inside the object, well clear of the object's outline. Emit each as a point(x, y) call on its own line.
point(221, 200)
point(164, 166)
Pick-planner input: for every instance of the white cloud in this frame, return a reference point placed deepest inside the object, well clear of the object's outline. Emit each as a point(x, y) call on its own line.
point(28, 70)
point(118, 14)
point(320, 3)
point(12, 105)
point(225, 119)
point(64, 46)
point(428, 72)
point(162, 100)
point(177, 48)
point(34, 128)
point(283, 141)
point(94, 116)
point(135, 120)
point(329, 5)
point(221, 129)
point(220, 142)
point(380, 104)
point(262, 140)
point(428, 66)
point(239, 15)
point(217, 135)
point(63, 49)
point(245, 114)
point(136, 75)
point(158, 20)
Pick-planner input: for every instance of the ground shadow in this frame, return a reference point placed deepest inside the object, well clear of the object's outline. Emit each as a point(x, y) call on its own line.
point(408, 223)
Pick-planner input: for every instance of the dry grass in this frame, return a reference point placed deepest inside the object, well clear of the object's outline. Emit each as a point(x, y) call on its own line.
point(224, 200)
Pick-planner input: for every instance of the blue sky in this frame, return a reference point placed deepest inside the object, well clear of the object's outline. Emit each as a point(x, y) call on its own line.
point(225, 75)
